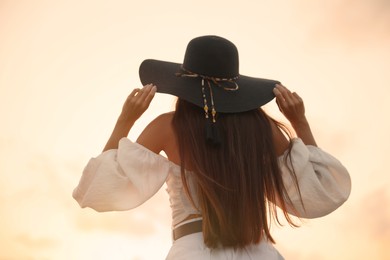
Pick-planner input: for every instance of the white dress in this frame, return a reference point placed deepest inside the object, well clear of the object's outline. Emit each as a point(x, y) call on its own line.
point(124, 178)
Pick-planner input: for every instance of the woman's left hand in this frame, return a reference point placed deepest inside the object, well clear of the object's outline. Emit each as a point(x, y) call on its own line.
point(133, 108)
point(137, 103)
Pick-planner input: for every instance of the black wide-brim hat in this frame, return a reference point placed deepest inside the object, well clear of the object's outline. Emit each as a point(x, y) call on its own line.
point(209, 71)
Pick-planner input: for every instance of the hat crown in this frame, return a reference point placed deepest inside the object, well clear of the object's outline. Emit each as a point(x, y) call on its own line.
point(212, 56)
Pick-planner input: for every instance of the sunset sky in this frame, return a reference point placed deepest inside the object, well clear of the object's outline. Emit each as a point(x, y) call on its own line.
point(66, 68)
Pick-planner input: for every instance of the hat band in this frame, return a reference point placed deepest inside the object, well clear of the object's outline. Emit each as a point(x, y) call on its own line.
point(217, 81)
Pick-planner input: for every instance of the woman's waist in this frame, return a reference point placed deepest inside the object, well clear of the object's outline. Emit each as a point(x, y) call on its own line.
point(190, 218)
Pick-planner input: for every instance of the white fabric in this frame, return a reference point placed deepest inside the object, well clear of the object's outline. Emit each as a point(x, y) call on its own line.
point(180, 204)
point(192, 247)
point(124, 178)
point(121, 179)
point(323, 181)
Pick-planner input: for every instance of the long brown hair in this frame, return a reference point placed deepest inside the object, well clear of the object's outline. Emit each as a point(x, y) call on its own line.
point(235, 181)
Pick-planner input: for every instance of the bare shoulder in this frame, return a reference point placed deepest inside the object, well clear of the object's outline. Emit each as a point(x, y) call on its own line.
point(158, 134)
point(163, 123)
point(165, 118)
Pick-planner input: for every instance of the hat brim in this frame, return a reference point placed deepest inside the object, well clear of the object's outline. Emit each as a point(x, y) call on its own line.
point(251, 94)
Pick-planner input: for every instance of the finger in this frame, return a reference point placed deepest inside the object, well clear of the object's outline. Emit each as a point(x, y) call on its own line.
point(292, 98)
point(287, 95)
point(282, 89)
point(279, 105)
point(145, 92)
point(150, 95)
point(134, 92)
point(297, 96)
point(280, 101)
point(279, 95)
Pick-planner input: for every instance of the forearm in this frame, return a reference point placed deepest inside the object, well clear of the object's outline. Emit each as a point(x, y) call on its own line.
point(303, 131)
point(121, 129)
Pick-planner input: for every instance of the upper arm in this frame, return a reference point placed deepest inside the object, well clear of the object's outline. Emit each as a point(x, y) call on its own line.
point(155, 135)
point(280, 141)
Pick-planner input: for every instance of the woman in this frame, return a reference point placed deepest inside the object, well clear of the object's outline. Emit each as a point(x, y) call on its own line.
point(228, 163)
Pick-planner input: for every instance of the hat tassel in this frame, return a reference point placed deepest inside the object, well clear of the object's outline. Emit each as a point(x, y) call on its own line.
point(212, 133)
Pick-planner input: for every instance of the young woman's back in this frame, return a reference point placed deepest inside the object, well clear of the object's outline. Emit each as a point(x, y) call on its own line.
point(245, 223)
point(235, 177)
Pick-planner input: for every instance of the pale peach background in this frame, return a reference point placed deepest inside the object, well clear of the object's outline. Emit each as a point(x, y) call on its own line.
point(67, 66)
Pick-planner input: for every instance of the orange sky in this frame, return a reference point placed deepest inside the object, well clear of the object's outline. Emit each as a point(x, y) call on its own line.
point(66, 67)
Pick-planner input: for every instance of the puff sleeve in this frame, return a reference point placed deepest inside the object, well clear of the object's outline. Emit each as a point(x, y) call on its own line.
point(324, 183)
point(121, 179)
